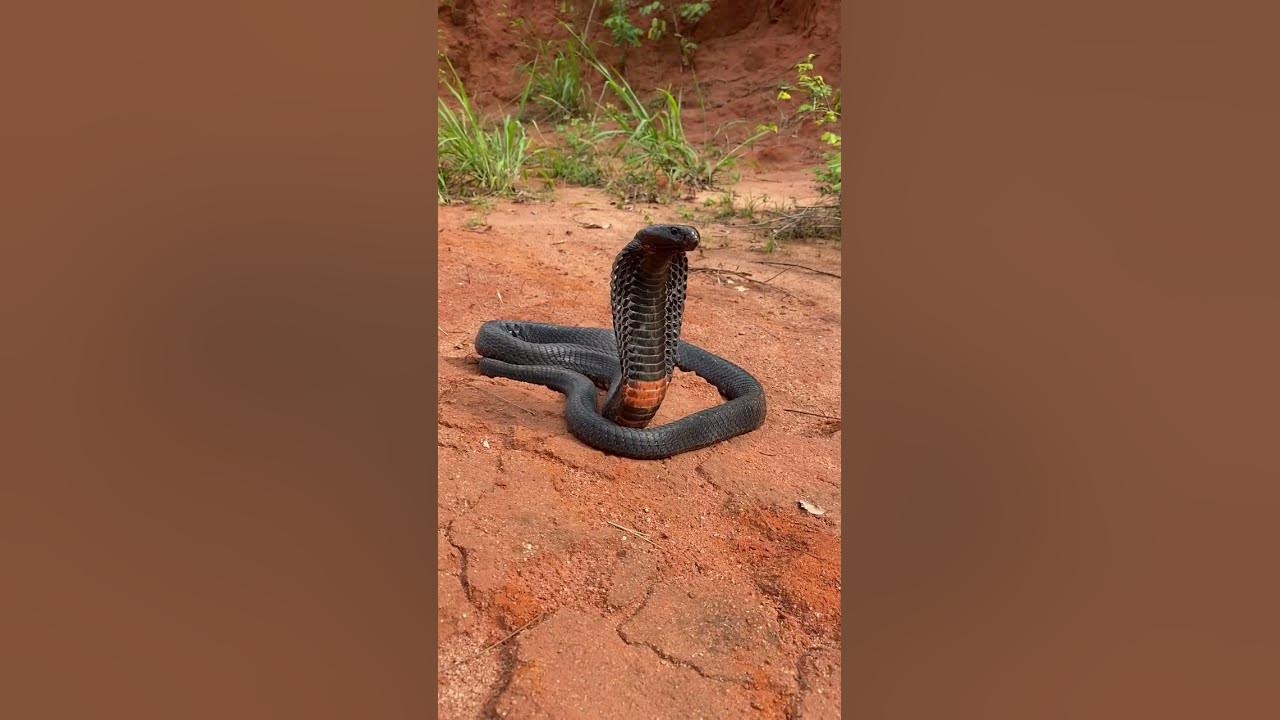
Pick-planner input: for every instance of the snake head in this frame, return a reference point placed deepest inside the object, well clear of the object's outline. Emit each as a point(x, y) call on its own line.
point(669, 238)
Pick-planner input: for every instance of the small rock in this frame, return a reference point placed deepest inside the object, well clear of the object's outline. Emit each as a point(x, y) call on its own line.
point(810, 508)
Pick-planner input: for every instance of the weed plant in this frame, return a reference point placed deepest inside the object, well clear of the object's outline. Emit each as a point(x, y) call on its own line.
point(475, 160)
point(556, 87)
point(658, 159)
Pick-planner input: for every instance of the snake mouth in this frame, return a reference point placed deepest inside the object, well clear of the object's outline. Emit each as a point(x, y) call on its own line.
point(668, 238)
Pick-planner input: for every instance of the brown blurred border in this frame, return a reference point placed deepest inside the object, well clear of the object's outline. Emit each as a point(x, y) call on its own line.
point(218, 360)
point(1060, 360)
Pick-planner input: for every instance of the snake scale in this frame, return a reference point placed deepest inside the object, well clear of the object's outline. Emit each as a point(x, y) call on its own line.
point(634, 362)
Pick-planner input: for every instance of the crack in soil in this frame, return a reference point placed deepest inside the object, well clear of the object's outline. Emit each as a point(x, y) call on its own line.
point(506, 673)
point(462, 563)
point(705, 474)
point(622, 634)
point(508, 661)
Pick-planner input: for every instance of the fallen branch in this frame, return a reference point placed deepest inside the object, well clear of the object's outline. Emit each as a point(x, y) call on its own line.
point(800, 221)
point(794, 265)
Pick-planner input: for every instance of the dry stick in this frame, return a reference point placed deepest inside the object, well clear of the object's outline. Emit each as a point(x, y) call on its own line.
point(637, 533)
point(512, 404)
point(802, 267)
point(766, 282)
point(721, 270)
point(806, 412)
point(744, 275)
point(589, 225)
point(486, 649)
point(770, 334)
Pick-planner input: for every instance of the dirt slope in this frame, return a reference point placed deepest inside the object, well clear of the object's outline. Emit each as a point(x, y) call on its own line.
point(731, 608)
point(746, 50)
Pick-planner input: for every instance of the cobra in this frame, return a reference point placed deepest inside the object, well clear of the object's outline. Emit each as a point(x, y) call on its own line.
point(635, 362)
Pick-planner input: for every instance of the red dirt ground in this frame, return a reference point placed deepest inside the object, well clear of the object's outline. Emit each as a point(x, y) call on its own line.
point(731, 606)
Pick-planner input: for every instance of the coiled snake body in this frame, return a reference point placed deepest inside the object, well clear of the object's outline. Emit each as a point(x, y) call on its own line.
point(634, 362)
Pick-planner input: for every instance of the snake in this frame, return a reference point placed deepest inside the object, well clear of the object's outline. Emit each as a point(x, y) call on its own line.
point(634, 362)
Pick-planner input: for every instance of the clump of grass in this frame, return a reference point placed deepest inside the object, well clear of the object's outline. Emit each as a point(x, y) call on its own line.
point(475, 159)
point(727, 207)
point(556, 87)
point(578, 158)
point(658, 158)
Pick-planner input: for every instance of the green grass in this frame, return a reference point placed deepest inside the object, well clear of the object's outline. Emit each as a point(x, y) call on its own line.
point(637, 148)
point(556, 88)
point(476, 159)
point(579, 157)
point(658, 157)
point(829, 175)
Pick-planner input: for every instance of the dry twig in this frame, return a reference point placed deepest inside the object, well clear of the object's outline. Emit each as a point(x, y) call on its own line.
point(721, 271)
point(491, 646)
point(814, 414)
point(794, 265)
point(637, 533)
point(496, 396)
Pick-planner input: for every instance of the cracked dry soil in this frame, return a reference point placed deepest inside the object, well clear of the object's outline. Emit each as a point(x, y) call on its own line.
point(730, 605)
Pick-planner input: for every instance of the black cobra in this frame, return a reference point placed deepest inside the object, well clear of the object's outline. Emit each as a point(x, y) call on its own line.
point(635, 362)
